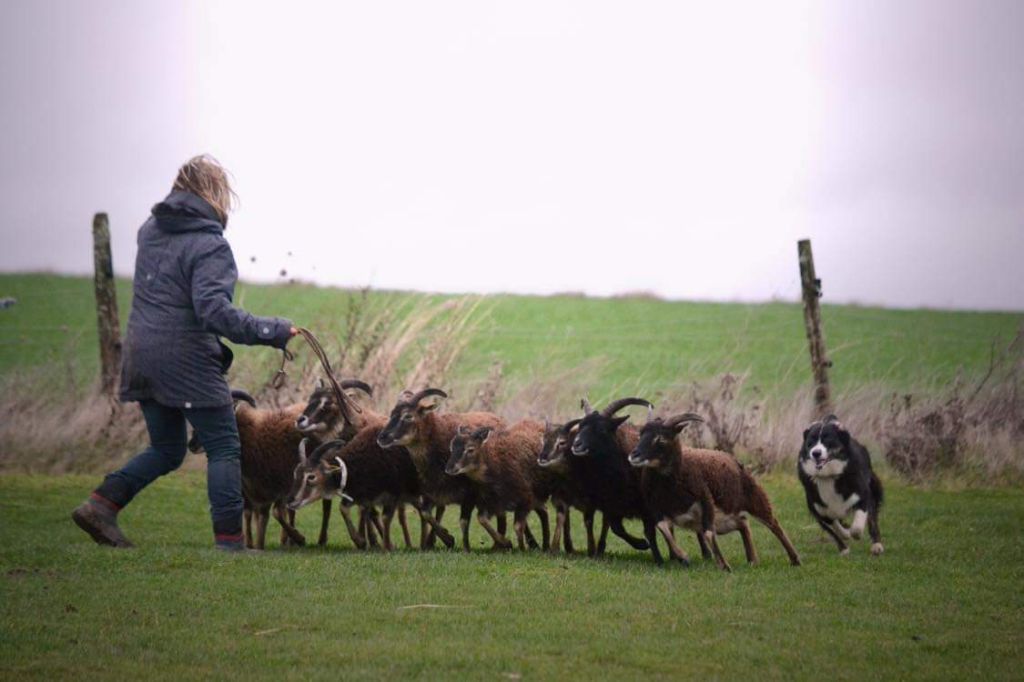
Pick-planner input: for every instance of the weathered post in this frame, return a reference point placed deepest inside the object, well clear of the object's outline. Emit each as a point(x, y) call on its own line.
point(820, 363)
point(106, 305)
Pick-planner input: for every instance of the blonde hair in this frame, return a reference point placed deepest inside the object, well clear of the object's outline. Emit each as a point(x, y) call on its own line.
point(204, 176)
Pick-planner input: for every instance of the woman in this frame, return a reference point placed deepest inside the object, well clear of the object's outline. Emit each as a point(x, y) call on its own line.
point(174, 362)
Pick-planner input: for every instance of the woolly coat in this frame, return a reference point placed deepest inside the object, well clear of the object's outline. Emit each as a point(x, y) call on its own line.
point(185, 278)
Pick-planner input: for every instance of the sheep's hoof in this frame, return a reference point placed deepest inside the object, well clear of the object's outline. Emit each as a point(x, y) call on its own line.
point(877, 549)
point(845, 551)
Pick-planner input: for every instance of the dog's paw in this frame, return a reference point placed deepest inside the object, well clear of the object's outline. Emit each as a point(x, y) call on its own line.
point(877, 549)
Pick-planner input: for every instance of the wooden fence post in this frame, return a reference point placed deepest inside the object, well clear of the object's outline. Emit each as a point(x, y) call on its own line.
point(820, 363)
point(106, 306)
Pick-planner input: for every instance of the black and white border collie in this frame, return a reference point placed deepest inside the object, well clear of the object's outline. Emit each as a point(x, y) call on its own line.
point(836, 473)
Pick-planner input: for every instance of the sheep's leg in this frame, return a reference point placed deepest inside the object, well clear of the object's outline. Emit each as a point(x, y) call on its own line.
point(588, 522)
point(500, 541)
point(713, 539)
point(519, 523)
point(748, 541)
point(760, 508)
point(665, 526)
point(262, 516)
point(325, 520)
point(279, 508)
point(377, 523)
point(433, 523)
point(358, 539)
point(373, 527)
point(634, 542)
point(602, 540)
point(545, 526)
point(567, 530)
point(875, 532)
point(773, 525)
point(705, 551)
point(707, 526)
point(651, 533)
point(530, 539)
point(289, 529)
point(432, 535)
point(362, 528)
point(465, 516)
point(389, 516)
point(423, 506)
point(556, 536)
point(502, 525)
point(404, 523)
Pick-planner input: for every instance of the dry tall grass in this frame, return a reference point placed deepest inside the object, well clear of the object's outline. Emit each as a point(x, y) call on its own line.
point(971, 432)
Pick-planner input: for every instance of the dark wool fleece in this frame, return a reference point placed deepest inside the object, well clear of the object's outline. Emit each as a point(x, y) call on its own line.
point(185, 278)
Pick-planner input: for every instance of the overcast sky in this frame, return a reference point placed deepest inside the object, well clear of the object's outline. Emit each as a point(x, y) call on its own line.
point(536, 147)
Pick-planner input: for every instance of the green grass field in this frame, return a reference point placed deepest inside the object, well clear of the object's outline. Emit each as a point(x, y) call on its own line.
point(943, 602)
point(638, 344)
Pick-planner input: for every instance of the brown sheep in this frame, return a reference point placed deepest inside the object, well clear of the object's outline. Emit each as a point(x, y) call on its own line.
point(269, 443)
point(502, 464)
point(427, 436)
point(323, 415)
point(363, 472)
point(703, 490)
point(566, 489)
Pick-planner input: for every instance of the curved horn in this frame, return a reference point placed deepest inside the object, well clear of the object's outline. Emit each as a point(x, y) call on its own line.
point(356, 383)
point(586, 406)
point(324, 447)
point(684, 418)
point(238, 394)
point(617, 405)
point(426, 393)
point(302, 450)
point(570, 425)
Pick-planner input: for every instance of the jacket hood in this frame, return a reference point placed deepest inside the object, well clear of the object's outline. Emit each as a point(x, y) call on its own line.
point(186, 212)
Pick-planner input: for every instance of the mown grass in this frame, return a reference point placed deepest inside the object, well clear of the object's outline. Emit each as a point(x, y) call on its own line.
point(944, 602)
point(627, 345)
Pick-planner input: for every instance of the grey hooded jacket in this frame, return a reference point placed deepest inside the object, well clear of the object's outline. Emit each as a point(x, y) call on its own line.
point(185, 277)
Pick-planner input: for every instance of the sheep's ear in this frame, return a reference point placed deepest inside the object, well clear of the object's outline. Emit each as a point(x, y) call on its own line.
point(482, 434)
point(678, 428)
point(619, 421)
point(463, 430)
point(428, 407)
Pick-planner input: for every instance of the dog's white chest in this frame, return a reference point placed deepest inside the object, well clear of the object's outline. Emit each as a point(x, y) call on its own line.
point(834, 506)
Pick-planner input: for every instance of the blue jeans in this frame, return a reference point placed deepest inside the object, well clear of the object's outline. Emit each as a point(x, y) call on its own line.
point(218, 433)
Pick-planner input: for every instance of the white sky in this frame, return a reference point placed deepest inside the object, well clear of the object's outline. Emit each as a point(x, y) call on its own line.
point(536, 147)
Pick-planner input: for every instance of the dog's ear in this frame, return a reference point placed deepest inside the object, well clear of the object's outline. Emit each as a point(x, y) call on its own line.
point(844, 435)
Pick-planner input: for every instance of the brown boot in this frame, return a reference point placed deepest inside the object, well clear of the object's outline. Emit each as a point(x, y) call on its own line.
point(100, 523)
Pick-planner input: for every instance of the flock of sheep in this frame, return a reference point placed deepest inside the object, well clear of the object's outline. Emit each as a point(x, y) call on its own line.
point(422, 457)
